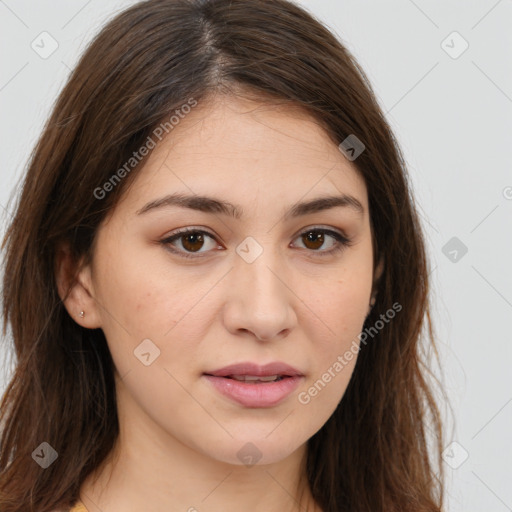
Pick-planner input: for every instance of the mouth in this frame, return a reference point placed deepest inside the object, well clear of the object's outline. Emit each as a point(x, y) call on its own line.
point(253, 379)
point(252, 385)
point(254, 371)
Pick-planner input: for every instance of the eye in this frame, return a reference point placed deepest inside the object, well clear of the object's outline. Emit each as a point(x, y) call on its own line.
point(315, 238)
point(192, 240)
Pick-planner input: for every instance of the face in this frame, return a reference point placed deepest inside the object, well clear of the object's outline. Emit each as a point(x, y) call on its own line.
point(261, 281)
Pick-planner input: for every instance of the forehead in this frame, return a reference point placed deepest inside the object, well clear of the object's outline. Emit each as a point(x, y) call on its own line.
point(240, 150)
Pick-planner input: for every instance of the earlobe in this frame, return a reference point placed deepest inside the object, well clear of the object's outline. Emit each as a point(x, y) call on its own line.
point(75, 288)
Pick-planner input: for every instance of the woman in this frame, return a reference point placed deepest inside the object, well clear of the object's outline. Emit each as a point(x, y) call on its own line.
point(225, 277)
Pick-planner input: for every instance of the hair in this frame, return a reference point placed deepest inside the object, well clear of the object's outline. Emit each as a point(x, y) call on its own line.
point(373, 453)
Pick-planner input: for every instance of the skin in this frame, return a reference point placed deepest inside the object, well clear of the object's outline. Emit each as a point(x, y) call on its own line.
point(179, 437)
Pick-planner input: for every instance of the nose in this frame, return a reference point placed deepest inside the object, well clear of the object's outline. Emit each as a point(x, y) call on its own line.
point(260, 301)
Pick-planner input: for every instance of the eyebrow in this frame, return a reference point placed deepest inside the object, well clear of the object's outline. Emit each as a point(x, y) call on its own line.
point(213, 205)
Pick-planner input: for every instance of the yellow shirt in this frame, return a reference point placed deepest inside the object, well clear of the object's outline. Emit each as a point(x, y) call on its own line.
point(78, 507)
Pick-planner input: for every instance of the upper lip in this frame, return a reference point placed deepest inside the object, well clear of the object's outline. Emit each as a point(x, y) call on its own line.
point(248, 368)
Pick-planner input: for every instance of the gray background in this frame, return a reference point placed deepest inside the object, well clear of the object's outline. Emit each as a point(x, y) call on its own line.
point(452, 115)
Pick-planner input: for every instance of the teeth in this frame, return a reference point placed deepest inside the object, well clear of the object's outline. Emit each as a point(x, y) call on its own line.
point(252, 378)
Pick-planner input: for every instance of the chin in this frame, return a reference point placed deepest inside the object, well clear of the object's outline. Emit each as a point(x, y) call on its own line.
point(253, 451)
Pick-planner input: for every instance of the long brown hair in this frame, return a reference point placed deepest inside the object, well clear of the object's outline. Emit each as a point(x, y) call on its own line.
point(373, 453)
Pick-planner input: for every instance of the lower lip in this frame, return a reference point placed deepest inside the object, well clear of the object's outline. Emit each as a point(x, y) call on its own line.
point(263, 394)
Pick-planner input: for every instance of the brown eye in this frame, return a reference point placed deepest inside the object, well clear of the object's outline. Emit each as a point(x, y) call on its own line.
point(313, 239)
point(192, 241)
point(189, 241)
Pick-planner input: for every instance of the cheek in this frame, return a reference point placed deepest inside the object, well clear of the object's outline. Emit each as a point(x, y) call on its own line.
point(341, 304)
point(146, 302)
point(140, 294)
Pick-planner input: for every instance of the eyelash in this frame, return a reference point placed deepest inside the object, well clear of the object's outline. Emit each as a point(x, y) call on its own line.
point(341, 241)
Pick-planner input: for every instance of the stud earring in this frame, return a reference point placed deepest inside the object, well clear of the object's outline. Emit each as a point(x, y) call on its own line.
point(82, 314)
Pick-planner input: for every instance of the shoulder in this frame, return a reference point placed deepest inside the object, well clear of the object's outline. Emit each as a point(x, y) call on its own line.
point(77, 507)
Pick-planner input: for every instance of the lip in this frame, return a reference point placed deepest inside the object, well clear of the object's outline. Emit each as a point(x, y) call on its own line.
point(260, 395)
point(248, 368)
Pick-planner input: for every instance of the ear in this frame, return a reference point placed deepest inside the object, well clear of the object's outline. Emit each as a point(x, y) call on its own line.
point(75, 288)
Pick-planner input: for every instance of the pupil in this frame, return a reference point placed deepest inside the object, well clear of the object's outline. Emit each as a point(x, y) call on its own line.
point(316, 238)
point(196, 238)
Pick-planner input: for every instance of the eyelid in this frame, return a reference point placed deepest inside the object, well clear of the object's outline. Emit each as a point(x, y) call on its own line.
point(326, 229)
point(342, 240)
